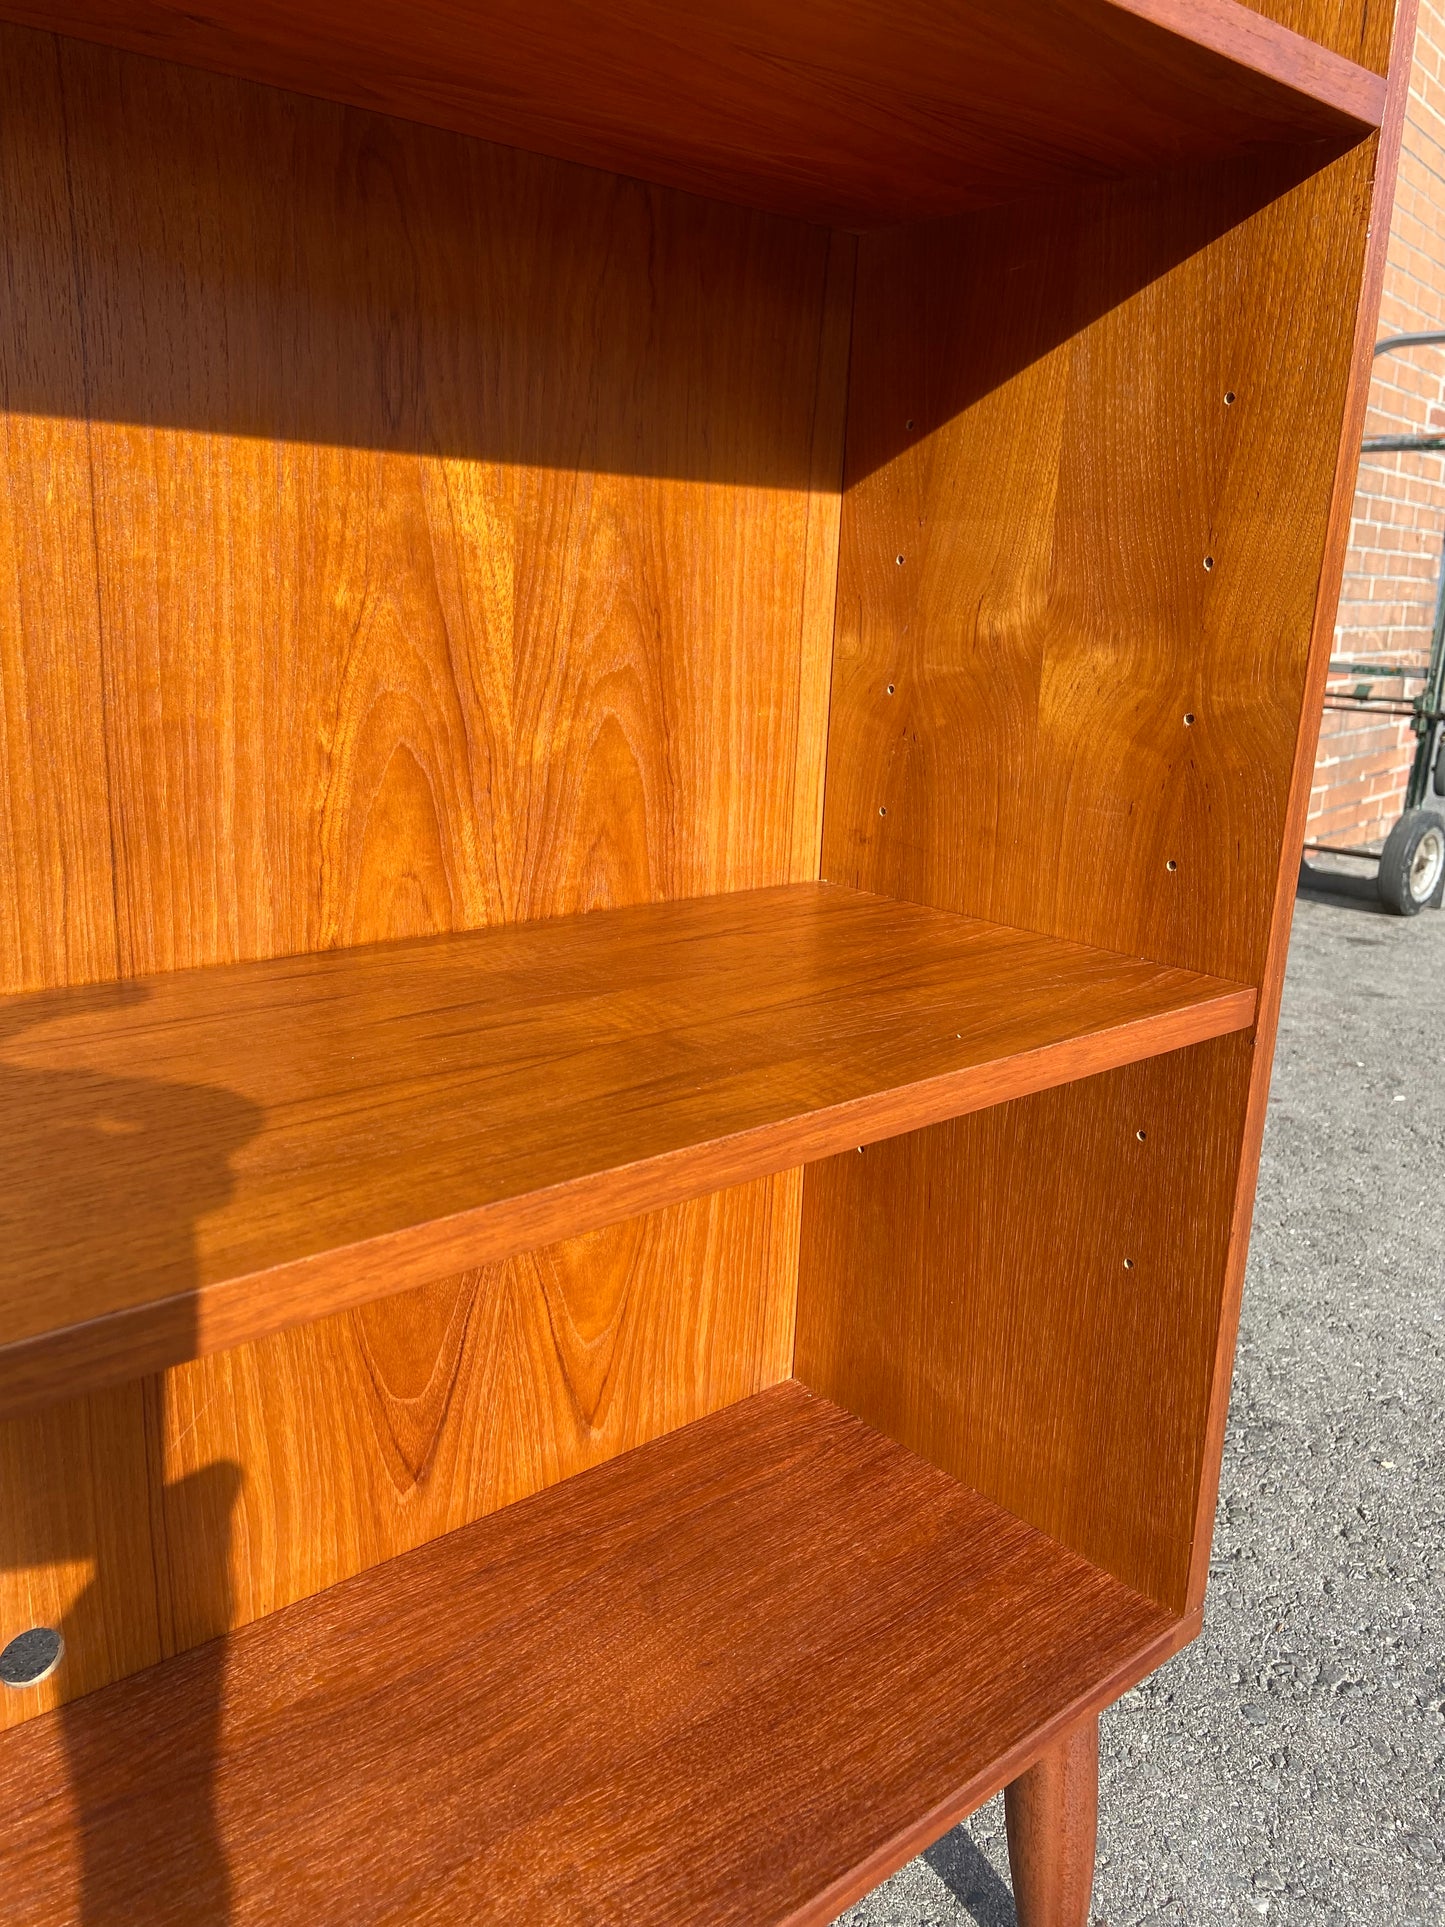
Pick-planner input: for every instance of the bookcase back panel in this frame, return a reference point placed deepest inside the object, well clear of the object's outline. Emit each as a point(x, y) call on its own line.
point(413, 534)
point(1091, 463)
point(145, 1520)
point(397, 534)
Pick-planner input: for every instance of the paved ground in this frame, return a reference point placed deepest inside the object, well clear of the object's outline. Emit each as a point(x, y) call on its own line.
point(1291, 1764)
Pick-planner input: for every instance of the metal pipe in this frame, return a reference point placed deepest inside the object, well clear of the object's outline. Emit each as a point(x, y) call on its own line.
point(1383, 444)
point(1432, 338)
point(1404, 444)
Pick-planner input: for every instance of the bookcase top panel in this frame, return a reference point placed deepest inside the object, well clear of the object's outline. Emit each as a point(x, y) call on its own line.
point(845, 111)
point(199, 1158)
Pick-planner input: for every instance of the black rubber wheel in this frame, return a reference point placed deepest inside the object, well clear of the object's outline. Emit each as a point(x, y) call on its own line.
point(1412, 865)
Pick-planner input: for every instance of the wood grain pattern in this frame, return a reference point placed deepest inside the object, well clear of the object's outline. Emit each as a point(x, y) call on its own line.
point(774, 1634)
point(146, 1520)
point(533, 668)
point(212, 1155)
point(843, 111)
point(1302, 774)
point(1053, 624)
point(820, 587)
point(1042, 1325)
point(582, 432)
point(1361, 30)
point(1048, 633)
point(78, 1540)
point(566, 648)
point(360, 1437)
point(1052, 1815)
point(57, 908)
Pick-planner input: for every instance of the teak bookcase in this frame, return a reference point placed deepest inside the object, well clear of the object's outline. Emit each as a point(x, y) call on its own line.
point(658, 672)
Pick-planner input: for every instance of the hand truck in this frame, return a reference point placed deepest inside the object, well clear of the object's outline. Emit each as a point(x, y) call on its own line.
point(1410, 876)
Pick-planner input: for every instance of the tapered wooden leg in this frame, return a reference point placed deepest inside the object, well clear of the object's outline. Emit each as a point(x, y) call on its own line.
point(1052, 1813)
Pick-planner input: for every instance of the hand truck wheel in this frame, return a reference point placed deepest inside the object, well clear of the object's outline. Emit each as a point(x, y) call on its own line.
point(1412, 864)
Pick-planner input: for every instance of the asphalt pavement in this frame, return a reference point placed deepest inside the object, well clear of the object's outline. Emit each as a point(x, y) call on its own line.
point(1290, 1765)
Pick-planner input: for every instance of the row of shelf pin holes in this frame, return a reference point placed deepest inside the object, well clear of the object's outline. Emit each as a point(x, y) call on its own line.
point(1141, 1134)
point(1229, 398)
point(1171, 863)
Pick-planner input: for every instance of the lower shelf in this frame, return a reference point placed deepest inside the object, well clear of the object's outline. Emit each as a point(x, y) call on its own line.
point(739, 1675)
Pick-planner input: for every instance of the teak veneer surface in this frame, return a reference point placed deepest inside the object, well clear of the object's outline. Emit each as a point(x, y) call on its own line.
point(1041, 1327)
point(1074, 725)
point(193, 1160)
point(398, 534)
point(845, 111)
point(735, 1677)
point(147, 1518)
point(1051, 699)
point(401, 534)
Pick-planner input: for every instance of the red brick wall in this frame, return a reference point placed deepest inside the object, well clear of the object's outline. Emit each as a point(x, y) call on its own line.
point(1387, 603)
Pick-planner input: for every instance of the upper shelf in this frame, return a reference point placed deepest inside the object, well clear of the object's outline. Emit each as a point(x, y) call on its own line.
point(845, 111)
point(197, 1159)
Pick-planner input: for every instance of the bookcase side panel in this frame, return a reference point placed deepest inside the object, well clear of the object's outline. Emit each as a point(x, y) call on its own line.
point(1358, 29)
point(1093, 458)
point(1030, 1298)
point(1091, 450)
point(399, 535)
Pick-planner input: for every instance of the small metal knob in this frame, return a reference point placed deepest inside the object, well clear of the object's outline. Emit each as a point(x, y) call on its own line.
point(31, 1656)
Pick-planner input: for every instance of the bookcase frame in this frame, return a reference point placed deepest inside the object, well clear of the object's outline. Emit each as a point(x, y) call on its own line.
point(658, 678)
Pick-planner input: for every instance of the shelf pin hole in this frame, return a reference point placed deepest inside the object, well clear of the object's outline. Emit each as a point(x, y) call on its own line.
point(1209, 561)
point(1229, 398)
point(891, 688)
point(1171, 865)
point(909, 423)
point(883, 809)
point(1128, 1264)
point(1141, 1135)
point(31, 1656)
point(1189, 719)
point(899, 560)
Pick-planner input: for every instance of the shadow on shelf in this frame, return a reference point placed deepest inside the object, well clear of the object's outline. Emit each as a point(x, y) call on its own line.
point(91, 1162)
point(117, 1883)
point(83, 1148)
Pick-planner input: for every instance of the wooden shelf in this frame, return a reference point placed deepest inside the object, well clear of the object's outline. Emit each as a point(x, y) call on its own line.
point(739, 1675)
point(845, 111)
point(210, 1155)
